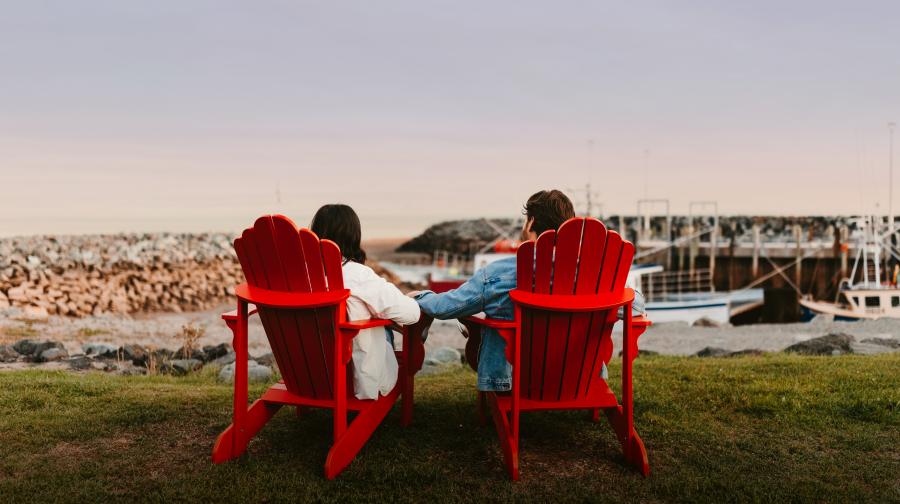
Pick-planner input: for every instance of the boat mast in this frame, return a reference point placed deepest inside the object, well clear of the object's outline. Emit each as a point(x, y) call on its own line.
point(891, 126)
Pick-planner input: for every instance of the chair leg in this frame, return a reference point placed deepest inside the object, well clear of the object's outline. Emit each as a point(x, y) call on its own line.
point(358, 432)
point(482, 408)
point(234, 440)
point(595, 415)
point(632, 445)
point(408, 392)
point(508, 442)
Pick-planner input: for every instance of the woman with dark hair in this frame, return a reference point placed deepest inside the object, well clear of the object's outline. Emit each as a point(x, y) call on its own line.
point(374, 363)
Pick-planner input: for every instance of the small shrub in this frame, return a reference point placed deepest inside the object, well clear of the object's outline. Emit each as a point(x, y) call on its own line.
point(189, 337)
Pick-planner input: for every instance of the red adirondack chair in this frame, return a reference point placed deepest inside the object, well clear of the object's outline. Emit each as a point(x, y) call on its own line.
point(296, 283)
point(570, 285)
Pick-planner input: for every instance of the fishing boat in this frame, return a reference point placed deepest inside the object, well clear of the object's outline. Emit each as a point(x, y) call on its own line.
point(871, 292)
point(671, 297)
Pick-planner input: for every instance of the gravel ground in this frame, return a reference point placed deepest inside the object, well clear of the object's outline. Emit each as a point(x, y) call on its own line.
point(682, 339)
point(163, 329)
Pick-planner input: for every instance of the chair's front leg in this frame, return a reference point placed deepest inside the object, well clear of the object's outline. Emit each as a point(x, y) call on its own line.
point(627, 360)
point(340, 382)
point(240, 372)
point(413, 354)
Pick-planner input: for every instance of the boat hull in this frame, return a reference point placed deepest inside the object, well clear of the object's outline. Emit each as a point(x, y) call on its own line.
point(837, 311)
point(689, 311)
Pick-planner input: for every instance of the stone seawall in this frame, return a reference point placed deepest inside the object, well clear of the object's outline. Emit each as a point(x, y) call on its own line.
point(95, 274)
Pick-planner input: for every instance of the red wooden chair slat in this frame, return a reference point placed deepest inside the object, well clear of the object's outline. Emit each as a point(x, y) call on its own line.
point(565, 263)
point(525, 282)
point(250, 255)
point(608, 273)
point(301, 347)
point(557, 348)
point(319, 321)
point(540, 321)
point(296, 282)
point(331, 254)
point(593, 244)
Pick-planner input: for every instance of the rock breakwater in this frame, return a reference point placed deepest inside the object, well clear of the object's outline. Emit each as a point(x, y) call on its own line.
point(95, 274)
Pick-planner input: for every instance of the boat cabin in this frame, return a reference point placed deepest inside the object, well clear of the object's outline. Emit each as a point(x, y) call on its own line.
point(874, 302)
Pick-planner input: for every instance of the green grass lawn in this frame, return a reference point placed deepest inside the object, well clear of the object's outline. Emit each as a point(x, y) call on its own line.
point(777, 427)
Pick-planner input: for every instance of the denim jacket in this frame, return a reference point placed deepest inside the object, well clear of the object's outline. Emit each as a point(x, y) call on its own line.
point(488, 291)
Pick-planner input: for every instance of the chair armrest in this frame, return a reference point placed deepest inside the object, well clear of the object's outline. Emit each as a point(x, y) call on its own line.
point(232, 315)
point(572, 302)
point(417, 327)
point(286, 299)
point(359, 325)
point(492, 323)
point(641, 321)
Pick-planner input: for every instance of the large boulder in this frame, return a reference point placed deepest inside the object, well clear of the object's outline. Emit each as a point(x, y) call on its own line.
point(213, 352)
point(747, 352)
point(51, 354)
point(192, 353)
point(830, 344)
point(266, 359)
point(137, 354)
point(81, 362)
point(34, 350)
point(712, 352)
point(885, 342)
point(25, 346)
point(446, 355)
point(180, 367)
point(223, 360)
point(256, 373)
point(8, 353)
point(101, 350)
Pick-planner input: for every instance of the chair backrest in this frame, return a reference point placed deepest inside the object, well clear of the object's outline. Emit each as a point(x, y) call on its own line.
point(275, 255)
point(562, 353)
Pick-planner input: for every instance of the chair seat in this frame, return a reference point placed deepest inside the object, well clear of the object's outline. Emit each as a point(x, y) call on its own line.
point(600, 396)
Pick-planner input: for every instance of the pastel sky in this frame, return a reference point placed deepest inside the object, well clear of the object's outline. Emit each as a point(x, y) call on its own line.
point(195, 115)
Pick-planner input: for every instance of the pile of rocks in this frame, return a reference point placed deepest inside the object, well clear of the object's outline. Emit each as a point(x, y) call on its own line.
point(456, 237)
point(135, 359)
point(94, 274)
point(127, 273)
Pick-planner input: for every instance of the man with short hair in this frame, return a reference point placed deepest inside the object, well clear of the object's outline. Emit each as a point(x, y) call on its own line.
point(488, 291)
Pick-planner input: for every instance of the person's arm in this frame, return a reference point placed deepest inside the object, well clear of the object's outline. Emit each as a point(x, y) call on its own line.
point(464, 301)
point(385, 301)
point(638, 307)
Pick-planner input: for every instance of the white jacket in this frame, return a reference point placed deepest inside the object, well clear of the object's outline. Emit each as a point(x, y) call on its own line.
point(374, 362)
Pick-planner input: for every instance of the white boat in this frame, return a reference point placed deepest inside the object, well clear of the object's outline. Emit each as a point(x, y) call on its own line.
point(688, 298)
point(867, 294)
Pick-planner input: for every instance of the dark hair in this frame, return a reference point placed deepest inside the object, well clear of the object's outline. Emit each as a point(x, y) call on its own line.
point(340, 224)
point(549, 210)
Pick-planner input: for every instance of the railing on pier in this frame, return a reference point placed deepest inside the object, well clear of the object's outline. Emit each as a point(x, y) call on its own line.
point(659, 286)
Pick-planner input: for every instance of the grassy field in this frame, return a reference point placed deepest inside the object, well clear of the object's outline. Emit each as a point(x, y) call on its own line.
point(772, 428)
